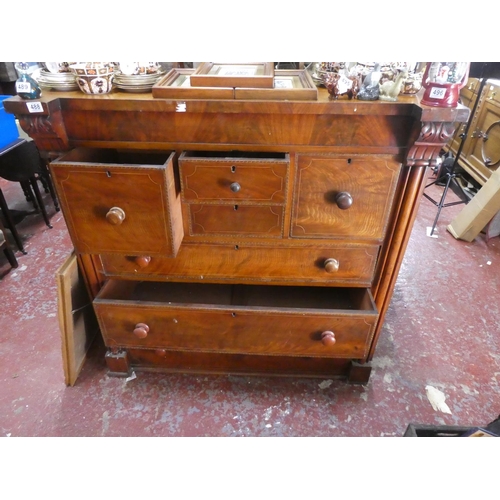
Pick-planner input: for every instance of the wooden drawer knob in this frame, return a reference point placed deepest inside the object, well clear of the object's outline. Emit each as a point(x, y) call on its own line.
point(141, 330)
point(115, 216)
point(142, 260)
point(234, 187)
point(328, 338)
point(331, 265)
point(343, 200)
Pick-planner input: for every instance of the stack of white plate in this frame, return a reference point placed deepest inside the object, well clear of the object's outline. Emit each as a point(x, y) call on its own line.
point(136, 83)
point(57, 81)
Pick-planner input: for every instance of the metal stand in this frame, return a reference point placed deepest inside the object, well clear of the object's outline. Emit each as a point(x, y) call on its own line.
point(449, 176)
point(452, 174)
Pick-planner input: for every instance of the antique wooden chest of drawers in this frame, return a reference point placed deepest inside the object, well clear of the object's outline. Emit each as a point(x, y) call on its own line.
point(239, 236)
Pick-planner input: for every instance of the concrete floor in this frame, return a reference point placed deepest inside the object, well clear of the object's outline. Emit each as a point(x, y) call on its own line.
point(441, 330)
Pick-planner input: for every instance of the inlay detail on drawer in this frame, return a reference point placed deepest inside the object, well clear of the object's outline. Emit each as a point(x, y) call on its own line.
point(108, 199)
point(293, 321)
point(343, 197)
point(211, 177)
point(343, 265)
point(236, 220)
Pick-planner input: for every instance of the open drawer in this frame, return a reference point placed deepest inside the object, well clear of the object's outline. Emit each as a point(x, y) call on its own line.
point(251, 319)
point(120, 202)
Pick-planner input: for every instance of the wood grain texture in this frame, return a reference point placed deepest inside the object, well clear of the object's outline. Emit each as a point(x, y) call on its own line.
point(78, 323)
point(243, 262)
point(369, 181)
point(224, 230)
point(224, 319)
point(88, 191)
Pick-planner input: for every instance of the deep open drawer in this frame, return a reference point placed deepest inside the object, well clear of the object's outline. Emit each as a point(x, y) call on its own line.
point(295, 321)
point(120, 202)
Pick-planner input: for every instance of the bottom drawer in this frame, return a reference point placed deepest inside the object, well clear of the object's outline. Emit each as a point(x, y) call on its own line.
point(246, 319)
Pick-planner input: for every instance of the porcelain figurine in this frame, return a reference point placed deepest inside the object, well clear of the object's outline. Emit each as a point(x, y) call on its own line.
point(370, 90)
point(341, 85)
point(390, 90)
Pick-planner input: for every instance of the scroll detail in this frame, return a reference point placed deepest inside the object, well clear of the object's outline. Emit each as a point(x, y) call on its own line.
point(433, 137)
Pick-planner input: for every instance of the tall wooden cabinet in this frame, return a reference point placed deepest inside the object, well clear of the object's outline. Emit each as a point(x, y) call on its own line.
point(232, 236)
point(480, 154)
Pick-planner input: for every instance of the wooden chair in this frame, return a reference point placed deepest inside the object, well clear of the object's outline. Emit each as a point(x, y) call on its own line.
point(23, 164)
point(5, 246)
point(9, 222)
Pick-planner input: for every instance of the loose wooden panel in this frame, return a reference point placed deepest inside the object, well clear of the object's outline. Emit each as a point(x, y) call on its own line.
point(365, 184)
point(239, 319)
point(119, 207)
point(236, 180)
point(236, 220)
point(77, 320)
point(254, 263)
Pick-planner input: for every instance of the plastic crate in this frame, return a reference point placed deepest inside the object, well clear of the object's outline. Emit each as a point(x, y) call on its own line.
point(8, 127)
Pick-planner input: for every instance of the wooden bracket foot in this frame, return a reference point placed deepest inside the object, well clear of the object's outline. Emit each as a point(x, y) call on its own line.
point(118, 363)
point(359, 373)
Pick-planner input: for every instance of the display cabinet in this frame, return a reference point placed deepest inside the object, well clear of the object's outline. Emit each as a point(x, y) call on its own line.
point(239, 236)
point(481, 150)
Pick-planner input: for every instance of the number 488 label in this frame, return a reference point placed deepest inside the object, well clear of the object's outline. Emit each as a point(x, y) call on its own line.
point(34, 107)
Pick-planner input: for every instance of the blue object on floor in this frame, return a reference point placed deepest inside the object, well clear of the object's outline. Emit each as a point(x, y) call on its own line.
point(8, 127)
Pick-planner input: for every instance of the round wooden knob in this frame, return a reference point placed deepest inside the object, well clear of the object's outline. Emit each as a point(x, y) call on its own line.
point(115, 216)
point(328, 338)
point(331, 265)
point(161, 352)
point(141, 330)
point(142, 260)
point(343, 200)
point(234, 187)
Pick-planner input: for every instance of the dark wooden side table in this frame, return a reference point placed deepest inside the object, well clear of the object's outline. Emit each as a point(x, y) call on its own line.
point(21, 162)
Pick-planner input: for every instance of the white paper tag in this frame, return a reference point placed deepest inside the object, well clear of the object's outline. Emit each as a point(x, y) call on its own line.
point(23, 87)
point(34, 107)
point(344, 84)
point(437, 93)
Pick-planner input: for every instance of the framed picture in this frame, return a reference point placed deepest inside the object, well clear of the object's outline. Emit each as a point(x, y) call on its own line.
point(176, 84)
point(247, 75)
point(291, 85)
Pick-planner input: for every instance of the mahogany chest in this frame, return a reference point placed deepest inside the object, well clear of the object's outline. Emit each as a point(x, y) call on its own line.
point(241, 237)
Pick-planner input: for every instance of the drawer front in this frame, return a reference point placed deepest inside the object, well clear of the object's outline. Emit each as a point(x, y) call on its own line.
point(233, 180)
point(218, 327)
point(343, 265)
point(108, 207)
point(343, 197)
point(236, 220)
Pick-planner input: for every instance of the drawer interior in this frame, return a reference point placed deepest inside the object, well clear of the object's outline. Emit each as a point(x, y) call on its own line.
point(114, 157)
point(229, 155)
point(255, 296)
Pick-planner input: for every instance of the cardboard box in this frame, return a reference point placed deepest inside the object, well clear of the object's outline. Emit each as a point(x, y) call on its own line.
point(479, 211)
